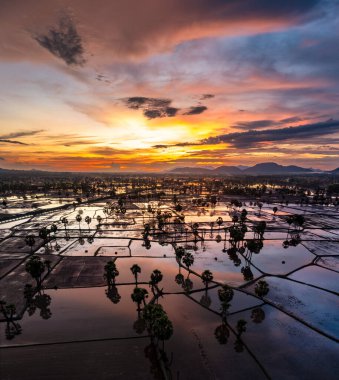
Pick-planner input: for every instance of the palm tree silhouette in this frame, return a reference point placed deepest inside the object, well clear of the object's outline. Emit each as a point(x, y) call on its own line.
point(88, 220)
point(9, 313)
point(206, 277)
point(111, 272)
point(135, 269)
point(219, 221)
point(156, 277)
point(78, 218)
point(30, 241)
point(139, 295)
point(188, 260)
point(35, 267)
point(261, 288)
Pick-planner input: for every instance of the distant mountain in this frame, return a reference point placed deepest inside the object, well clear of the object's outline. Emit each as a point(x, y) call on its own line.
point(231, 170)
point(271, 168)
point(242, 167)
point(2, 170)
point(335, 171)
point(221, 170)
point(190, 170)
point(266, 168)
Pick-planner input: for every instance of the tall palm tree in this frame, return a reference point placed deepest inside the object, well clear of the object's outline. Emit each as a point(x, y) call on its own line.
point(179, 253)
point(219, 221)
point(88, 220)
point(64, 221)
point(111, 272)
point(139, 295)
point(206, 277)
point(156, 277)
point(36, 267)
point(9, 312)
point(261, 288)
point(135, 269)
point(222, 333)
point(30, 241)
point(78, 218)
point(188, 259)
point(225, 295)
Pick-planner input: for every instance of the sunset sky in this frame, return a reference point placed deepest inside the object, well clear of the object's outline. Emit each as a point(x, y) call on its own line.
point(149, 85)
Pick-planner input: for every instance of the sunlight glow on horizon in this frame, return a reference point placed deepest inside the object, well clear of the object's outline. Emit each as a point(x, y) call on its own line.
point(218, 87)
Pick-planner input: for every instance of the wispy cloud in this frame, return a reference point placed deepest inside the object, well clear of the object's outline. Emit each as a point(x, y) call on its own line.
point(6, 141)
point(14, 135)
point(7, 138)
point(256, 124)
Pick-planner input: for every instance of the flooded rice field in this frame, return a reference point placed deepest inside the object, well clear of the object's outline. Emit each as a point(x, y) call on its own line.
point(148, 290)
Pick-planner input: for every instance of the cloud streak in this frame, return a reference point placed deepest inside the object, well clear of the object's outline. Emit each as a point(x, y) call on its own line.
point(252, 138)
point(6, 141)
point(255, 124)
point(20, 134)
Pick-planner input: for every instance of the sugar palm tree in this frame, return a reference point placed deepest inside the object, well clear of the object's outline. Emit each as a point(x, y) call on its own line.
point(163, 329)
point(222, 333)
point(156, 277)
point(187, 285)
point(260, 207)
point(78, 218)
point(225, 295)
point(88, 220)
point(211, 231)
point(111, 272)
point(179, 278)
point(139, 296)
point(188, 259)
point(206, 277)
point(135, 269)
point(64, 221)
point(258, 315)
point(219, 221)
point(9, 311)
point(36, 267)
point(157, 322)
point(260, 228)
point(241, 327)
point(179, 253)
point(54, 228)
point(43, 234)
point(30, 241)
point(261, 288)
point(113, 294)
point(243, 216)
